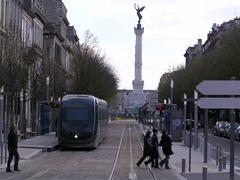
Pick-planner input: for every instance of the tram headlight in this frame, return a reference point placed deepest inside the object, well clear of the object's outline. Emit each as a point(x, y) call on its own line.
point(75, 136)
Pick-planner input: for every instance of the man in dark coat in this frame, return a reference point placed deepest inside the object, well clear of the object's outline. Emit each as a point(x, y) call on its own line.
point(147, 149)
point(166, 144)
point(12, 149)
point(155, 154)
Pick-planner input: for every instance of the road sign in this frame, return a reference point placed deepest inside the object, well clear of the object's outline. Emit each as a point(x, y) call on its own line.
point(219, 103)
point(219, 87)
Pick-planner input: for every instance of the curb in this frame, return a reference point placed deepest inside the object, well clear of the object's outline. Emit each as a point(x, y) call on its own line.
point(33, 155)
point(43, 148)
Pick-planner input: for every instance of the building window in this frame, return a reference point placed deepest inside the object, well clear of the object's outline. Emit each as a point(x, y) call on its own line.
point(57, 53)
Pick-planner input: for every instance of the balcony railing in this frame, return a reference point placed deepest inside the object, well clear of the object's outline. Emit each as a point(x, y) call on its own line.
point(33, 6)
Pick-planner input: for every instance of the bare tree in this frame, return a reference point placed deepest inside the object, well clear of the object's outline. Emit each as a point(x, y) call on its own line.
point(92, 75)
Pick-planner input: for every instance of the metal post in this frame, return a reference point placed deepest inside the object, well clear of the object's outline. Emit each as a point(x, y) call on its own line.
point(217, 155)
point(232, 143)
point(232, 140)
point(195, 121)
point(5, 126)
point(224, 162)
point(206, 136)
point(190, 149)
point(220, 165)
point(183, 165)
point(171, 96)
point(47, 83)
point(190, 144)
point(220, 151)
point(204, 174)
point(1, 122)
point(185, 113)
point(21, 112)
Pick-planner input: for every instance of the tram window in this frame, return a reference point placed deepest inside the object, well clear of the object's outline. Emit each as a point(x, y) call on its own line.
point(76, 114)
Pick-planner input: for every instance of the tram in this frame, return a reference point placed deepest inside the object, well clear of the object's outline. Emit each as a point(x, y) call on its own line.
point(83, 121)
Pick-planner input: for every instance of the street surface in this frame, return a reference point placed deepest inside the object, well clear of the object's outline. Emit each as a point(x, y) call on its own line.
point(224, 143)
point(115, 159)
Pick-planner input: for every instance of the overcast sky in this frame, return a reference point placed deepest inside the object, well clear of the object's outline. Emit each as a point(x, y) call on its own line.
point(170, 27)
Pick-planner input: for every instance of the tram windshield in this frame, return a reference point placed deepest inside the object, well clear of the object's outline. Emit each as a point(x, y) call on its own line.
point(77, 118)
point(75, 114)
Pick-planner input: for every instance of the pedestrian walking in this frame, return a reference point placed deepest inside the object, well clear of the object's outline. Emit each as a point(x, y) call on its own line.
point(155, 153)
point(166, 144)
point(12, 149)
point(147, 149)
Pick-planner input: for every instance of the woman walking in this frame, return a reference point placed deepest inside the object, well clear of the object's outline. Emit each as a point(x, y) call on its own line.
point(166, 144)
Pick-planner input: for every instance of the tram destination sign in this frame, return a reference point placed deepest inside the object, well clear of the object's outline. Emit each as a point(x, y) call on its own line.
point(219, 87)
point(219, 103)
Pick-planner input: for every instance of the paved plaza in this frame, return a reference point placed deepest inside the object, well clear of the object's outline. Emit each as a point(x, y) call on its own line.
point(41, 160)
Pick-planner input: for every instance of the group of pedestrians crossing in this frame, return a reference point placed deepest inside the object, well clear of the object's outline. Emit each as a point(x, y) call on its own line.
point(150, 149)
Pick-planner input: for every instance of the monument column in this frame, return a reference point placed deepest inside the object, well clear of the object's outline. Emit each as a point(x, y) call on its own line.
point(138, 82)
point(137, 97)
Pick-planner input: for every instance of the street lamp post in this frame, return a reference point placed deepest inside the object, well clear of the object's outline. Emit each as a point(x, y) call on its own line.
point(195, 121)
point(1, 122)
point(185, 113)
point(171, 95)
point(47, 83)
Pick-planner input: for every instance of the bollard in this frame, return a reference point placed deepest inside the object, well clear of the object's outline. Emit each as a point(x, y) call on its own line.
point(224, 162)
point(220, 164)
point(183, 165)
point(204, 173)
point(1, 153)
point(5, 151)
point(217, 156)
point(220, 151)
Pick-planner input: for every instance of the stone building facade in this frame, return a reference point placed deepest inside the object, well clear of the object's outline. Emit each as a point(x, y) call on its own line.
point(60, 44)
point(47, 42)
point(10, 21)
point(193, 52)
point(212, 40)
point(33, 22)
point(119, 106)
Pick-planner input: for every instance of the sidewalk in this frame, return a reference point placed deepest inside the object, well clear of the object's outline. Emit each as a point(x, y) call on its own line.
point(182, 152)
point(34, 147)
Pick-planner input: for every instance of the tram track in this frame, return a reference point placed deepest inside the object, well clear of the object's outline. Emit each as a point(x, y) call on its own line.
point(154, 177)
point(112, 175)
point(132, 174)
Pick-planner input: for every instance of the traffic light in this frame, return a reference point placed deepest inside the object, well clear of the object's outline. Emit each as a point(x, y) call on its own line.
point(160, 108)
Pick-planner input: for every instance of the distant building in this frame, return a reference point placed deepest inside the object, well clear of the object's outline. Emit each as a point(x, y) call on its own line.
point(119, 105)
point(212, 40)
point(193, 52)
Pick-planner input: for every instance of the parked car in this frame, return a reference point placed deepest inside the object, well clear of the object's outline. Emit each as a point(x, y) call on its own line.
point(216, 128)
point(237, 134)
point(227, 132)
point(220, 128)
